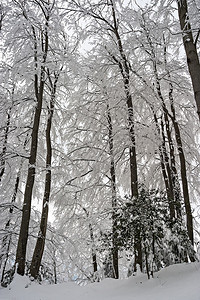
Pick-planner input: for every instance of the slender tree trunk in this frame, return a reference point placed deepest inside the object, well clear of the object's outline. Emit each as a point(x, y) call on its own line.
point(166, 171)
point(188, 210)
point(6, 239)
point(146, 262)
point(169, 173)
point(39, 248)
point(3, 153)
point(39, 90)
point(114, 196)
point(174, 173)
point(189, 218)
point(94, 256)
point(55, 272)
point(190, 50)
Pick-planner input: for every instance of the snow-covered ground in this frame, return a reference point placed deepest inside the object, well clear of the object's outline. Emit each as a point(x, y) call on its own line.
point(177, 282)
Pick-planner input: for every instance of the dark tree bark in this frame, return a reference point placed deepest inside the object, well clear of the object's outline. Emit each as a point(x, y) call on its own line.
point(188, 210)
point(189, 218)
point(94, 256)
point(190, 50)
point(3, 153)
point(114, 195)
point(39, 91)
point(23, 236)
point(55, 272)
point(39, 248)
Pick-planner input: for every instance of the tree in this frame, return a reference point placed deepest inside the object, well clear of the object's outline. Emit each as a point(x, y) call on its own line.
point(152, 44)
point(39, 248)
point(114, 194)
point(39, 82)
point(123, 67)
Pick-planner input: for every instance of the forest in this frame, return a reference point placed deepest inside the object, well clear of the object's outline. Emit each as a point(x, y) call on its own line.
point(99, 138)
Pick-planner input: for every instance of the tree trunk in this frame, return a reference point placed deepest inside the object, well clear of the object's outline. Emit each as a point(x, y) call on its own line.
point(189, 218)
point(3, 153)
point(169, 173)
point(94, 256)
point(39, 248)
point(114, 196)
point(174, 173)
point(39, 90)
point(166, 171)
point(190, 50)
point(6, 239)
point(23, 236)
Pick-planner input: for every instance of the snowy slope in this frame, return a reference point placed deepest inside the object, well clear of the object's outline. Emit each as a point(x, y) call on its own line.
point(178, 282)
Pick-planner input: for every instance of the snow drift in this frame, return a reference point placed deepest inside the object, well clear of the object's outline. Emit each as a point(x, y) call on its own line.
point(177, 282)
